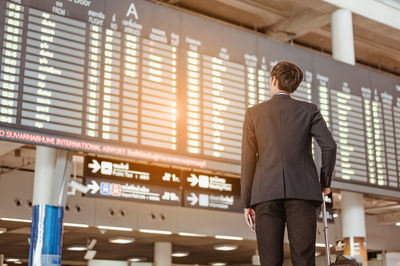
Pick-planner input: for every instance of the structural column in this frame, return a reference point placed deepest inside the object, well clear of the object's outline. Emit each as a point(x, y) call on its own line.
point(353, 217)
point(162, 254)
point(353, 226)
point(342, 36)
point(52, 172)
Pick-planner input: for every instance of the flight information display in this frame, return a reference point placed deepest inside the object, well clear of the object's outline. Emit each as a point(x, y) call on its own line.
point(146, 81)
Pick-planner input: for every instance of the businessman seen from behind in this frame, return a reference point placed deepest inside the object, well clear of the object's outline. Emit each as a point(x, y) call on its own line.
point(279, 180)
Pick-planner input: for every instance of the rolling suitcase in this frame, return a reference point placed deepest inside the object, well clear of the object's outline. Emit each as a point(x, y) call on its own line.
point(341, 260)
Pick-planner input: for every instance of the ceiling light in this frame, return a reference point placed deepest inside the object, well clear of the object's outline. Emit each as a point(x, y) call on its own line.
point(317, 254)
point(225, 247)
point(115, 228)
point(180, 254)
point(3, 230)
point(335, 215)
point(398, 224)
point(77, 248)
point(218, 263)
point(121, 240)
point(191, 234)
point(150, 231)
point(229, 237)
point(136, 259)
point(16, 220)
point(13, 260)
point(76, 225)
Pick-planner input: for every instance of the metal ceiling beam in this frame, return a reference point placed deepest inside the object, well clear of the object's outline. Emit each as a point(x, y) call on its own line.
point(379, 210)
point(389, 218)
point(6, 147)
point(300, 24)
point(266, 13)
point(359, 40)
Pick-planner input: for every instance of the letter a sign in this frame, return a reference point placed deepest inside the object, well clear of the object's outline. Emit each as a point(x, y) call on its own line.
point(132, 11)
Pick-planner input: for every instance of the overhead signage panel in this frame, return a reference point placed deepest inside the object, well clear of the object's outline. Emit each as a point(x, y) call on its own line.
point(115, 189)
point(130, 171)
point(212, 200)
point(211, 182)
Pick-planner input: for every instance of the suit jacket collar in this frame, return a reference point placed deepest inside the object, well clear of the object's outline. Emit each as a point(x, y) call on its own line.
point(280, 96)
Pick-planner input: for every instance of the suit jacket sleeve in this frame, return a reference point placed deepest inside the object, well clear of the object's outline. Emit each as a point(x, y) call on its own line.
point(249, 159)
point(323, 136)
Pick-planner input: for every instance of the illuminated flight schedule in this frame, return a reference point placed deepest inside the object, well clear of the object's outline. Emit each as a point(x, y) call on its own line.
point(144, 81)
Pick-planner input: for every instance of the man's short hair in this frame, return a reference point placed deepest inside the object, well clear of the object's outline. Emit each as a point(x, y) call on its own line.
point(289, 76)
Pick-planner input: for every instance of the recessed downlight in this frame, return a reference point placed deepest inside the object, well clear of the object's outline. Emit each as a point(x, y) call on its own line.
point(137, 259)
point(13, 260)
point(225, 247)
point(218, 263)
point(16, 220)
point(121, 240)
point(398, 224)
point(77, 248)
point(190, 234)
point(151, 231)
point(229, 237)
point(180, 254)
point(76, 225)
point(114, 228)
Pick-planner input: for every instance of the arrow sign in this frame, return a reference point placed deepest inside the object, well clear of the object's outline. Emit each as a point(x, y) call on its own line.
point(94, 187)
point(193, 198)
point(94, 165)
point(77, 186)
point(193, 179)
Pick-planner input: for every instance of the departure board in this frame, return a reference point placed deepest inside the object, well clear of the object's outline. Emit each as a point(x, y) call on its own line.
point(141, 80)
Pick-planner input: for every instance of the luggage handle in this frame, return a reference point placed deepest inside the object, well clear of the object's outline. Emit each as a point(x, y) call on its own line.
point(325, 221)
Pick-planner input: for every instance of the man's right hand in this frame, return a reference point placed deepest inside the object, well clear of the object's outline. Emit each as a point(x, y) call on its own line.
point(327, 191)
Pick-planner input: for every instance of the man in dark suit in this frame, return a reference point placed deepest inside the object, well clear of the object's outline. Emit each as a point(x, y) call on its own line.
point(279, 180)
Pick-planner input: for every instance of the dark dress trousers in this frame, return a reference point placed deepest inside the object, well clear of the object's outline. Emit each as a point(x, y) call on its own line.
point(279, 178)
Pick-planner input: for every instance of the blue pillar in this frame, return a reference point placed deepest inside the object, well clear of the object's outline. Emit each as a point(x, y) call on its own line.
point(52, 172)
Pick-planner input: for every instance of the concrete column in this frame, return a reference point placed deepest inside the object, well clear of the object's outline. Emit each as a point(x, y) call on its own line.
point(52, 172)
point(162, 254)
point(353, 217)
point(353, 225)
point(342, 36)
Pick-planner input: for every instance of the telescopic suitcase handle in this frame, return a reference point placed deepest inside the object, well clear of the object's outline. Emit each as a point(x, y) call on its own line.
point(325, 221)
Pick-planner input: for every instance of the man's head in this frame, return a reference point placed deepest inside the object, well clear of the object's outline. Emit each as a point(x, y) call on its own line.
point(285, 76)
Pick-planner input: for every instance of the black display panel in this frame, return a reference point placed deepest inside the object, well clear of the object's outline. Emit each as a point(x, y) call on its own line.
point(131, 181)
point(123, 180)
point(145, 81)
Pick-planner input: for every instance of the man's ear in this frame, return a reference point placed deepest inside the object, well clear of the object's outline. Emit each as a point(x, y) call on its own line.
point(275, 81)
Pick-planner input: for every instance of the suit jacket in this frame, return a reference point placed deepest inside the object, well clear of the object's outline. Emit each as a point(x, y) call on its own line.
point(277, 160)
